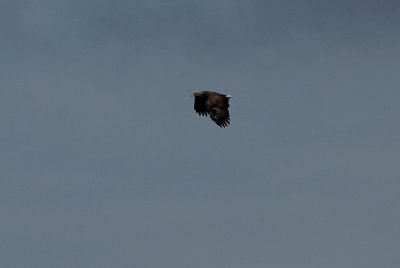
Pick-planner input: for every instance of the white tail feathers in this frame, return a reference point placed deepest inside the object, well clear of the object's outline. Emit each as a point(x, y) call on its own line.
point(229, 96)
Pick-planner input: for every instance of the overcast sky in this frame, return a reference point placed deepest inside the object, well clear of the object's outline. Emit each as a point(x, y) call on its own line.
point(104, 162)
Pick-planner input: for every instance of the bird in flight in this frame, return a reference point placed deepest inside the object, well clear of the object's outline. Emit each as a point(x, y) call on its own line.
point(213, 104)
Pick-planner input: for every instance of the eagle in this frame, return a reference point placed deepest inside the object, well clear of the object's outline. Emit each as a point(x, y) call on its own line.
point(213, 104)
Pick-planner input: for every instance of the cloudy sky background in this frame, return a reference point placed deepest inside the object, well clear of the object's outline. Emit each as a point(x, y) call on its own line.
point(105, 164)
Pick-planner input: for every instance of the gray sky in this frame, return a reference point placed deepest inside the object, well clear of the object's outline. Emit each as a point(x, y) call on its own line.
point(105, 163)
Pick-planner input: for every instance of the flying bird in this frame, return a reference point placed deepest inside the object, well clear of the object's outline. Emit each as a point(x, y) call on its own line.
point(213, 104)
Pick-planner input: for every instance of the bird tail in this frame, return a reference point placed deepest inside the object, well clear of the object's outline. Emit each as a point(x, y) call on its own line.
point(229, 96)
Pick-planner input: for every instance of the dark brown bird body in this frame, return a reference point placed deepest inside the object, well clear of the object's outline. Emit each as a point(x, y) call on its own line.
point(213, 104)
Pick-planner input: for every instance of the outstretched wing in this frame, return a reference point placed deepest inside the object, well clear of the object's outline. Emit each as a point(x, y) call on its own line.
point(200, 105)
point(218, 105)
